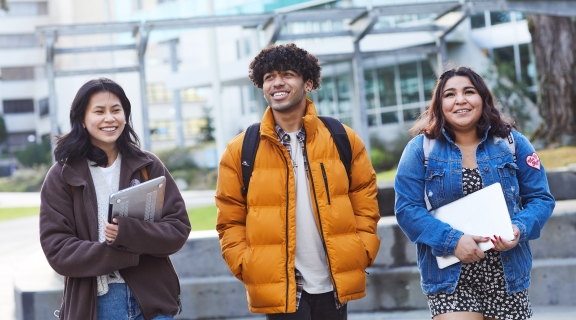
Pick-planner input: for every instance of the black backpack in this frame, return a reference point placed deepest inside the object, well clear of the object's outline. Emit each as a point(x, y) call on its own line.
point(252, 140)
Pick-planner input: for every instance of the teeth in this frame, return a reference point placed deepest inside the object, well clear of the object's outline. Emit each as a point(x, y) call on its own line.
point(108, 129)
point(280, 94)
point(462, 111)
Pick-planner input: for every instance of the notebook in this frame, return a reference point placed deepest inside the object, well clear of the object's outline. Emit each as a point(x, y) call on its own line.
point(482, 213)
point(143, 201)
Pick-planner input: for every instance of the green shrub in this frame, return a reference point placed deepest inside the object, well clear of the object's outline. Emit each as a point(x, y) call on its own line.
point(35, 154)
point(177, 159)
point(24, 180)
point(385, 155)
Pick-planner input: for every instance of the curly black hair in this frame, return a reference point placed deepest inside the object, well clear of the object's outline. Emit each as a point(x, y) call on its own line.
point(282, 58)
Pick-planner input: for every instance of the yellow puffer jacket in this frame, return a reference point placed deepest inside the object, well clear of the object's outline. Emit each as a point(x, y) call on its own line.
point(258, 239)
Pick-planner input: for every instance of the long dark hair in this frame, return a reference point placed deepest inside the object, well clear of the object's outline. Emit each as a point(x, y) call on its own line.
point(76, 144)
point(432, 121)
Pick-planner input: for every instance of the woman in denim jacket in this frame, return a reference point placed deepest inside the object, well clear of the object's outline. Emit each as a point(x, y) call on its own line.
point(471, 152)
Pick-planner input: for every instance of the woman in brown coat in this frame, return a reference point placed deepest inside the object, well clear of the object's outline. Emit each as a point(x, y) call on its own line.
point(112, 271)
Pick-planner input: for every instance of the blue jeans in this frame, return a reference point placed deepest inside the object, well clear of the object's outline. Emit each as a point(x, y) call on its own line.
point(120, 304)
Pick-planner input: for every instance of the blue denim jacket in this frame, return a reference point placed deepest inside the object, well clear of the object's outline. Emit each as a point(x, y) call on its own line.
point(526, 190)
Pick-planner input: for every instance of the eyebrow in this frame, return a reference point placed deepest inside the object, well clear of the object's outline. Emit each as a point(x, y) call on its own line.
point(465, 88)
point(115, 105)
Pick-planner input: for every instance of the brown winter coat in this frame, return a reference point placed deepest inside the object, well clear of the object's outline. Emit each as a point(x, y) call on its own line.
point(69, 238)
point(258, 234)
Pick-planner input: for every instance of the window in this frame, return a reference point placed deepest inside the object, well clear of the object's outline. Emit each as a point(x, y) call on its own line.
point(411, 114)
point(247, 47)
point(18, 106)
point(8, 41)
point(326, 97)
point(386, 86)
point(189, 95)
point(504, 55)
point(389, 117)
point(18, 73)
point(43, 107)
point(428, 79)
point(409, 83)
point(477, 21)
point(157, 93)
point(372, 120)
point(20, 9)
point(527, 64)
point(369, 89)
point(343, 90)
point(19, 138)
point(497, 17)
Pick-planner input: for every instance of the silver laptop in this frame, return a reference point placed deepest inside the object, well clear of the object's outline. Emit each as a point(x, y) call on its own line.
point(482, 213)
point(143, 201)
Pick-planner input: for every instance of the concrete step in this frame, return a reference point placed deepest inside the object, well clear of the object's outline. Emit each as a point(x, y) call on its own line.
point(208, 288)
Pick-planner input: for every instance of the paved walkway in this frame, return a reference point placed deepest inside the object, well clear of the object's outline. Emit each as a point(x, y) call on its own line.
point(22, 257)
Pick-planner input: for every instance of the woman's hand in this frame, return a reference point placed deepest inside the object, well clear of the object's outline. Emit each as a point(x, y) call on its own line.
point(110, 230)
point(467, 249)
point(504, 245)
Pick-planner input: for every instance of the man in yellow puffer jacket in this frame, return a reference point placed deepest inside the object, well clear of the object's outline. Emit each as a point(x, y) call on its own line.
point(301, 239)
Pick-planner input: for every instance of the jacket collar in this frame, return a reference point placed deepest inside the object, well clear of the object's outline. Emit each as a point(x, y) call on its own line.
point(310, 121)
point(484, 136)
point(76, 172)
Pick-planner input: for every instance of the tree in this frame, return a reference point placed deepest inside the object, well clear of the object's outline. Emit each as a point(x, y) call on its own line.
point(512, 96)
point(207, 129)
point(554, 45)
point(4, 5)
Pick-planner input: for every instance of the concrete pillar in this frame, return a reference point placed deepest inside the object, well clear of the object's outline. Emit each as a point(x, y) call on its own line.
point(176, 100)
point(143, 31)
point(50, 40)
point(217, 108)
point(360, 119)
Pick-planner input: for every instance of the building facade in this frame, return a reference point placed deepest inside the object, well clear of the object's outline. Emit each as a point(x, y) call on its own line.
point(193, 73)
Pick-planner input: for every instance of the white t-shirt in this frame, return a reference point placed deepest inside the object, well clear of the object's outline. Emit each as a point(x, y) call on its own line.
point(310, 255)
point(109, 172)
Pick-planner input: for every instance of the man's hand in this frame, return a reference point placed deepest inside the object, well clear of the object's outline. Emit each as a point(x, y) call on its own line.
point(504, 245)
point(467, 249)
point(110, 230)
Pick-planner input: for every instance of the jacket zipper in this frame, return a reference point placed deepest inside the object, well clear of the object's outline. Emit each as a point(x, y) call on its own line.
point(287, 202)
point(325, 181)
point(320, 221)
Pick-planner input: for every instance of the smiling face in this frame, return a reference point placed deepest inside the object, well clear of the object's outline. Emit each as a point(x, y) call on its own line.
point(104, 120)
point(461, 104)
point(285, 90)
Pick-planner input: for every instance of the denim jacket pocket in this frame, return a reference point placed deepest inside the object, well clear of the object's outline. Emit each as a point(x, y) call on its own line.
point(508, 173)
point(434, 186)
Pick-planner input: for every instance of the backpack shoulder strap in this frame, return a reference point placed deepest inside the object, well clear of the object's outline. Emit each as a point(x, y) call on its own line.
point(511, 145)
point(427, 144)
point(249, 149)
point(144, 172)
point(342, 142)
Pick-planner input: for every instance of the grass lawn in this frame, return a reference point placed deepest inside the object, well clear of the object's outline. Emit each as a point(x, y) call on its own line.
point(557, 158)
point(12, 213)
point(203, 218)
point(386, 175)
